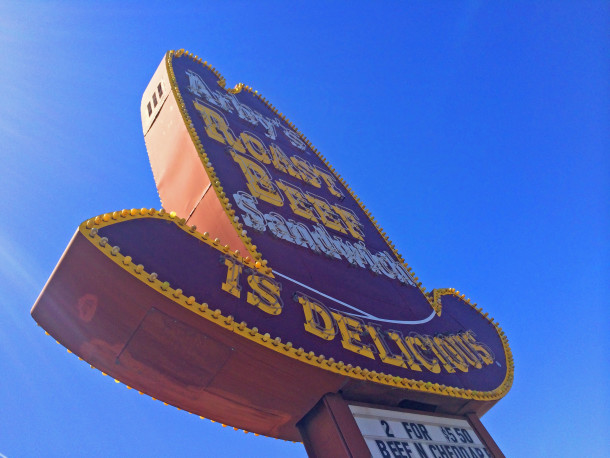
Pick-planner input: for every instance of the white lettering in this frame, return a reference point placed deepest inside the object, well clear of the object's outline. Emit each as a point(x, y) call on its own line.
point(229, 102)
point(319, 241)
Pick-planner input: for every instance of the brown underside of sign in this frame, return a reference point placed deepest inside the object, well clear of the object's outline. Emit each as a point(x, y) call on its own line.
point(154, 346)
point(125, 328)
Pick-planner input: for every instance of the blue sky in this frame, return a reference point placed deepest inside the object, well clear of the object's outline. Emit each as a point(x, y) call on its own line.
point(476, 132)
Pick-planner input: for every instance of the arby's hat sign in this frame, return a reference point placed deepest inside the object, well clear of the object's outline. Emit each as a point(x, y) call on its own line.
point(264, 282)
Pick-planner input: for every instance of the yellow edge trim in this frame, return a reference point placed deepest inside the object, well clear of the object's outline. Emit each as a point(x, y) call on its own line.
point(89, 228)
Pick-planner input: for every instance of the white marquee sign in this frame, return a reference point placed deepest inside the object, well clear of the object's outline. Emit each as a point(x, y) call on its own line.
point(391, 434)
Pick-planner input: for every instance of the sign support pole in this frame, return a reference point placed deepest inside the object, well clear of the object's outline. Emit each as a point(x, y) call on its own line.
point(484, 435)
point(329, 429)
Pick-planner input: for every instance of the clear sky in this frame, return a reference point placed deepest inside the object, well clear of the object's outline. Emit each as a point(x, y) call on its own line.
point(476, 132)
